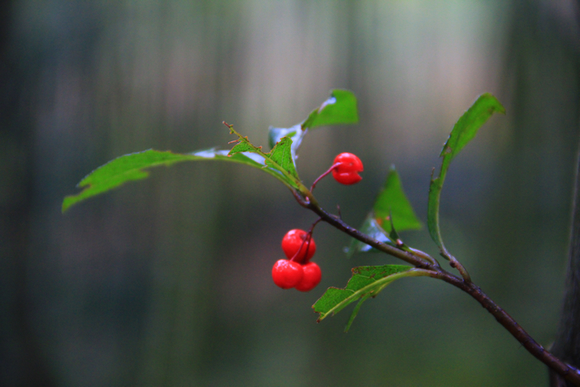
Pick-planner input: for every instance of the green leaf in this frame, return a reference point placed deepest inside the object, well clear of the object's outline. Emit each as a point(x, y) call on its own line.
point(244, 147)
point(340, 108)
point(366, 282)
point(279, 159)
point(392, 203)
point(466, 128)
point(464, 131)
point(133, 166)
point(355, 311)
point(433, 211)
point(295, 133)
point(393, 234)
point(371, 228)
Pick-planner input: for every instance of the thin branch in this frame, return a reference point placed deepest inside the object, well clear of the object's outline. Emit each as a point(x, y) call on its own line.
point(413, 259)
point(324, 174)
point(567, 371)
point(454, 263)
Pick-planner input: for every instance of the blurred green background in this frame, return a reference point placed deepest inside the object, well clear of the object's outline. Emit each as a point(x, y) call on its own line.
point(166, 282)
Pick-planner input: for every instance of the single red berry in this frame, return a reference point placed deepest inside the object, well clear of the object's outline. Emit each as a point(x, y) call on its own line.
point(295, 240)
point(346, 172)
point(311, 278)
point(287, 274)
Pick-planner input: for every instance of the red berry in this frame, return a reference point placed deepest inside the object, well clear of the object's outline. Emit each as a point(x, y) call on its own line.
point(295, 240)
point(311, 278)
point(347, 170)
point(287, 274)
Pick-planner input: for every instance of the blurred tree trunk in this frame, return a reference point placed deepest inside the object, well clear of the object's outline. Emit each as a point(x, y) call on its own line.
point(543, 67)
point(21, 359)
point(567, 344)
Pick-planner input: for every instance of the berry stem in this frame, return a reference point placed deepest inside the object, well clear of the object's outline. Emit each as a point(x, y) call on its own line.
point(306, 240)
point(324, 174)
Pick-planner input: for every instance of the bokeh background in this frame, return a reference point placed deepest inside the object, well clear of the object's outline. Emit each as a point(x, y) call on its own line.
point(166, 282)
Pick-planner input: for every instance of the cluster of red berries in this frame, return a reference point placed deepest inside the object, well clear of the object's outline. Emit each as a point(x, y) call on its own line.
point(297, 271)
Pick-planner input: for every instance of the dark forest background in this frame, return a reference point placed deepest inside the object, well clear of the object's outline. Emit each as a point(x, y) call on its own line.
point(166, 282)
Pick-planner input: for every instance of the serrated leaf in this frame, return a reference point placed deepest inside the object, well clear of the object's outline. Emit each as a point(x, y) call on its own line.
point(244, 147)
point(281, 156)
point(392, 203)
point(463, 131)
point(366, 282)
point(295, 133)
point(133, 166)
point(279, 159)
point(242, 144)
point(340, 108)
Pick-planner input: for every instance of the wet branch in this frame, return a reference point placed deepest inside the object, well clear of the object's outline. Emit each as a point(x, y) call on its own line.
point(421, 260)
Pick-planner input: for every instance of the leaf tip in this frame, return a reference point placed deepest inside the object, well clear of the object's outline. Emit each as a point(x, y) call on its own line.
point(329, 101)
point(497, 107)
point(69, 201)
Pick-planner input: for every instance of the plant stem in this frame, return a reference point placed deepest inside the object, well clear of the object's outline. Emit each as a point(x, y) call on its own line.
point(306, 240)
point(456, 265)
point(324, 174)
point(567, 371)
point(567, 343)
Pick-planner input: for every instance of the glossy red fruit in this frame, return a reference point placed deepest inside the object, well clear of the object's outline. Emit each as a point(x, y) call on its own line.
point(347, 170)
point(311, 278)
point(295, 240)
point(287, 274)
